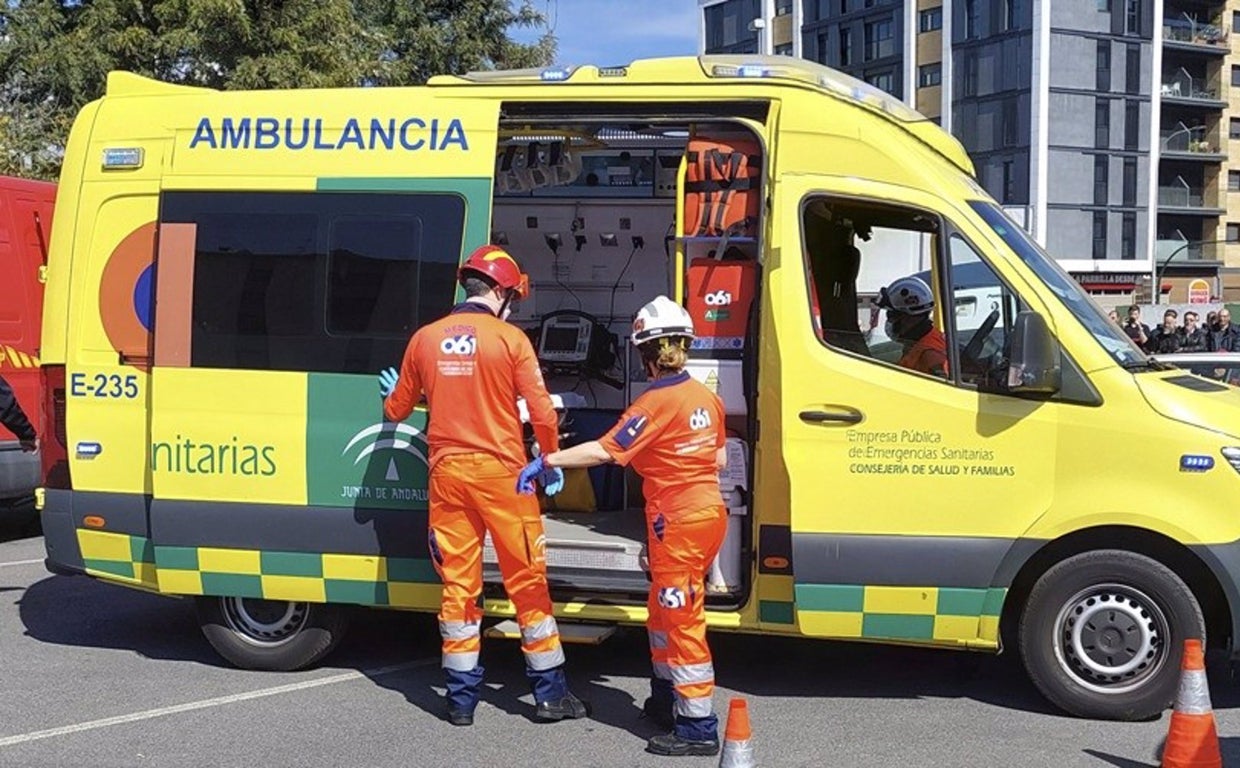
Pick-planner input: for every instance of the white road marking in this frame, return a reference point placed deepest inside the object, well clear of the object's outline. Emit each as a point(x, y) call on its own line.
point(219, 701)
point(22, 562)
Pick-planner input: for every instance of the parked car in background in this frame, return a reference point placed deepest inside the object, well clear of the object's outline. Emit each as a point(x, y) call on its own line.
point(25, 226)
point(1220, 366)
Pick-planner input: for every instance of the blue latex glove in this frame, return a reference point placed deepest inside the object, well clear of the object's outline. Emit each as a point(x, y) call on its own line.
point(531, 472)
point(552, 480)
point(387, 381)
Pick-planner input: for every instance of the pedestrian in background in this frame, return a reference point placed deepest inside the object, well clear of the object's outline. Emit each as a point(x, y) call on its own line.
point(1192, 337)
point(1138, 331)
point(1224, 336)
point(1165, 340)
point(472, 365)
point(14, 418)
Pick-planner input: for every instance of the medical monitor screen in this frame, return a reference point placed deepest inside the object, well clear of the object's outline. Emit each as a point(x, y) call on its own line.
point(560, 339)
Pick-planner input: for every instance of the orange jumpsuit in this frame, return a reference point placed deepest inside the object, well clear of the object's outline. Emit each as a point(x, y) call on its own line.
point(928, 354)
point(472, 367)
point(671, 435)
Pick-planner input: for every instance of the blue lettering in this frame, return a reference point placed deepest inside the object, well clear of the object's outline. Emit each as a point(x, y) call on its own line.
point(203, 133)
point(352, 134)
point(288, 133)
point(318, 136)
point(434, 132)
point(237, 137)
point(404, 133)
point(266, 133)
point(77, 384)
point(455, 135)
point(376, 132)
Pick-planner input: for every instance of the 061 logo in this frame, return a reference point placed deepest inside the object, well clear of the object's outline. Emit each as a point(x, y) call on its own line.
point(672, 598)
point(720, 298)
point(466, 346)
point(699, 419)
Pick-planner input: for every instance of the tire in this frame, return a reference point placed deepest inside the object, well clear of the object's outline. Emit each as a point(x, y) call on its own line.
point(274, 635)
point(1100, 598)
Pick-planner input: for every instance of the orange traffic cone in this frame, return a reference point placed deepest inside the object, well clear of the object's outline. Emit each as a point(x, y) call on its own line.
point(1192, 741)
point(737, 748)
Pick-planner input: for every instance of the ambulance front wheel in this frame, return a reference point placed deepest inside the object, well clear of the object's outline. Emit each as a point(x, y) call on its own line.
point(1102, 634)
point(276, 635)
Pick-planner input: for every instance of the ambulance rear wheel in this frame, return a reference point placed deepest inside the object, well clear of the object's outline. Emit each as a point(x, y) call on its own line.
point(1102, 634)
point(277, 635)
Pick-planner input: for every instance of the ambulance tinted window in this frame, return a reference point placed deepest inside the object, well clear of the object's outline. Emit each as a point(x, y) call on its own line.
point(327, 282)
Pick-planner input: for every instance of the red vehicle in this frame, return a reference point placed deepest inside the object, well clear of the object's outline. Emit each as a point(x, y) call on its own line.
point(25, 224)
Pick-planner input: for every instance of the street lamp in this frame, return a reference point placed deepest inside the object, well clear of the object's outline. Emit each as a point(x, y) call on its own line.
point(1159, 270)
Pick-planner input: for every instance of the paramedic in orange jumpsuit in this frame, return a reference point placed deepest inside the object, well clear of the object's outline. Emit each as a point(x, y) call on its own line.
point(910, 307)
point(473, 365)
point(674, 437)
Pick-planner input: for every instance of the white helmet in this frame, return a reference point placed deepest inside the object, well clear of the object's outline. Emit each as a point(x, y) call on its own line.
point(908, 294)
point(661, 317)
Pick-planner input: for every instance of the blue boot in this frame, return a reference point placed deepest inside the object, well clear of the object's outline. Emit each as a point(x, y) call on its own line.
point(462, 696)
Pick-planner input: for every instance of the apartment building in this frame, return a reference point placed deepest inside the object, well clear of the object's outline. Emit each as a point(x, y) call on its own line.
point(1098, 124)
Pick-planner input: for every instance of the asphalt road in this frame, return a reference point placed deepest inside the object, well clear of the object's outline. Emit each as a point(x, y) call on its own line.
point(98, 675)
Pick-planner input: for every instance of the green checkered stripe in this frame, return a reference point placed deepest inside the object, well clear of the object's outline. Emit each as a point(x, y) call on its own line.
point(935, 615)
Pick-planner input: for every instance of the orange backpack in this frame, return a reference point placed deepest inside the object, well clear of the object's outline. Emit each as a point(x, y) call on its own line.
point(721, 187)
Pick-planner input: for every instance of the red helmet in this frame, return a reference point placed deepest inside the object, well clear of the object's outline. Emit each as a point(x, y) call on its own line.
point(495, 263)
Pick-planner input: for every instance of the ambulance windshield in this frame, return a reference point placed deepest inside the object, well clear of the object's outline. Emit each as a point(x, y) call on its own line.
point(1109, 335)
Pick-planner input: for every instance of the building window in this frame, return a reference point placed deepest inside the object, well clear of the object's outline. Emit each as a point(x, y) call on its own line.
point(1132, 125)
point(970, 73)
point(1233, 233)
point(1132, 61)
point(1233, 181)
point(884, 81)
point(1010, 13)
point(821, 50)
point(1009, 182)
point(1102, 124)
point(1235, 21)
point(1103, 67)
point(1101, 163)
point(930, 75)
point(1010, 123)
point(930, 19)
point(783, 7)
point(1104, 5)
point(971, 19)
point(1128, 236)
point(845, 46)
point(1130, 181)
point(783, 50)
point(1132, 17)
point(1100, 235)
point(1235, 75)
point(843, 7)
point(878, 40)
point(1233, 130)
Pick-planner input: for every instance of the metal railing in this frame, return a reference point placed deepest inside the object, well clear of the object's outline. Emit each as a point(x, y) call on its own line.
point(1194, 33)
point(1177, 196)
point(1194, 250)
point(1185, 139)
point(1178, 89)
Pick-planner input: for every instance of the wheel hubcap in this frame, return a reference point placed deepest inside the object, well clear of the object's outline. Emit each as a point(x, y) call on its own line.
point(264, 622)
point(1111, 638)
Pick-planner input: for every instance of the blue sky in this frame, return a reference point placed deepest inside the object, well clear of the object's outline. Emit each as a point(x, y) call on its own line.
point(617, 31)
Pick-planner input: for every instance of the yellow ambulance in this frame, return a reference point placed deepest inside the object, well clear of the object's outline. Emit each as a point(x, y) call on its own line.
point(229, 270)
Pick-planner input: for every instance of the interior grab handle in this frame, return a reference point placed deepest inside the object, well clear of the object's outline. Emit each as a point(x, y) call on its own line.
point(831, 417)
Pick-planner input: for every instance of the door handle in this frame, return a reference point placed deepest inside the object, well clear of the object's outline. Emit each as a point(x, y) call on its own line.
point(828, 417)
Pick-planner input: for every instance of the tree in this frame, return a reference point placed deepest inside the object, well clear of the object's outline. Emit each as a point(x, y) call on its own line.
point(55, 54)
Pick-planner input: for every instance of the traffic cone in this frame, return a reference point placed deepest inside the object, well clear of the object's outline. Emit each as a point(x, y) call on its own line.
point(1192, 741)
point(737, 748)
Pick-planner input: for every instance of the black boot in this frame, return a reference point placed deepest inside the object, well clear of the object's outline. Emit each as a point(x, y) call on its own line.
point(567, 708)
point(659, 712)
point(460, 717)
point(676, 746)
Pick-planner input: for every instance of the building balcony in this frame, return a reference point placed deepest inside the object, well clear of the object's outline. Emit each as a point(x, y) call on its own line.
point(1190, 144)
point(1199, 252)
point(1190, 94)
point(1186, 200)
point(1192, 36)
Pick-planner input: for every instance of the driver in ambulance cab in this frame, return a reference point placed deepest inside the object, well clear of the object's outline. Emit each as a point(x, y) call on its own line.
point(910, 320)
point(473, 365)
point(673, 435)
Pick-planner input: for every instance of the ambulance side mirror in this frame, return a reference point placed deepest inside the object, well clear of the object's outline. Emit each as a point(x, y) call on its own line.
point(1034, 364)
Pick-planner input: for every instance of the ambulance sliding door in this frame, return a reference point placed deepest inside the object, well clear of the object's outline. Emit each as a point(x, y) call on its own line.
point(906, 488)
